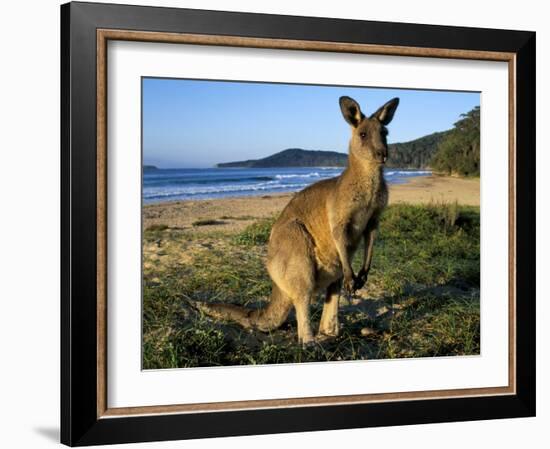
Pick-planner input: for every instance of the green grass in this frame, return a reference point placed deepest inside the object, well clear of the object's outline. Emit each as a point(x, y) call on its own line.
point(241, 217)
point(256, 234)
point(430, 245)
point(422, 296)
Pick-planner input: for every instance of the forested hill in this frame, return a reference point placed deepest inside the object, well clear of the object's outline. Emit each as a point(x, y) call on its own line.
point(414, 154)
point(459, 152)
point(294, 157)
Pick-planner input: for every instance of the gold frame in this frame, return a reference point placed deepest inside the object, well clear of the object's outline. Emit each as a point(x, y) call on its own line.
point(103, 36)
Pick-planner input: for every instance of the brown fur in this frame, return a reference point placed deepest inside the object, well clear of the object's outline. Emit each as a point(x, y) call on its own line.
point(312, 243)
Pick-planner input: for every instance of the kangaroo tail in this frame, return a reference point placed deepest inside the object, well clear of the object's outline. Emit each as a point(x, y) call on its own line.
point(265, 319)
point(225, 312)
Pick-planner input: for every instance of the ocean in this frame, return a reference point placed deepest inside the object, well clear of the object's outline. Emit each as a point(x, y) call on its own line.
point(162, 185)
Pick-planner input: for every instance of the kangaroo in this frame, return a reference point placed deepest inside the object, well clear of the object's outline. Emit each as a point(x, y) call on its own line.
point(312, 243)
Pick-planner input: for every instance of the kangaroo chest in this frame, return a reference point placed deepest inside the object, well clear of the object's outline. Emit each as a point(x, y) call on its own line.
point(359, 221)
point(365, 208)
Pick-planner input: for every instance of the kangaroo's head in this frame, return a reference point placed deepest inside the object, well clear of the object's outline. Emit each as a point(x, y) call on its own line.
point(368, 134)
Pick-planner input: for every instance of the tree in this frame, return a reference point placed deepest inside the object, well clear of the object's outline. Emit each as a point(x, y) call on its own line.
point(458, 151)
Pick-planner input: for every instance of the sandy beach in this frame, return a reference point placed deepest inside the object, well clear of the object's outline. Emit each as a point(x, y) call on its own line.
point(438, 189)
point(234, 214)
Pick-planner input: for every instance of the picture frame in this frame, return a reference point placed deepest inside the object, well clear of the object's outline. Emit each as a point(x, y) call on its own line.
point(86, 28)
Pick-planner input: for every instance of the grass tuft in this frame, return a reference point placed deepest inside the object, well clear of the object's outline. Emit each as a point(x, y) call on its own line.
point(207, 222)
point(256, 234)
point(157, 228)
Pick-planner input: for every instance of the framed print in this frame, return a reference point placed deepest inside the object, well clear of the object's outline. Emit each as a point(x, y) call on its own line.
point(277, 224)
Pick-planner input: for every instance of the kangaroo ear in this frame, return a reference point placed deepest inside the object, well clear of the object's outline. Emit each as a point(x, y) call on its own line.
point(385, 113)
point(351, 111)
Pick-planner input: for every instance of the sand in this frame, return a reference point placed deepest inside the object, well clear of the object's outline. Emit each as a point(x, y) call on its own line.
point(436, 189)
point(234, 214)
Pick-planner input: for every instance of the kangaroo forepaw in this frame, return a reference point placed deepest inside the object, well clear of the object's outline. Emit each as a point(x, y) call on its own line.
point(360, 280)
point(349, 285)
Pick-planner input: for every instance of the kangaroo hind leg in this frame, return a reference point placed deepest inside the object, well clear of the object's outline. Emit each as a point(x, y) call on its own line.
point(329, 324)
point(291, 266)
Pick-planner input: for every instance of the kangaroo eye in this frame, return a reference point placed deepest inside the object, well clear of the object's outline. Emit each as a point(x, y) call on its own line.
point(363, 135)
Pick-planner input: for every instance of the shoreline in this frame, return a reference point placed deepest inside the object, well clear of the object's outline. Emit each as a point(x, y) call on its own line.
point(235, 213)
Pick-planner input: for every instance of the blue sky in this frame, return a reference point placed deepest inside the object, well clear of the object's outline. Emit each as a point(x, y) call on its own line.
point(195, 123)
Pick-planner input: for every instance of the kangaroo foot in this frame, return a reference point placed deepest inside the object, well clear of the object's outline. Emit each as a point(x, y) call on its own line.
point(306, 340)
point(330, 329)
point(322, 338)
point(328, 333)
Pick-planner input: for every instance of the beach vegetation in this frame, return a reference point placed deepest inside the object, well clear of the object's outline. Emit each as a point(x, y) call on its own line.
point(421, 298)
point(157, 227)
point(207, 222)
point(458, 152)
point(257, 233)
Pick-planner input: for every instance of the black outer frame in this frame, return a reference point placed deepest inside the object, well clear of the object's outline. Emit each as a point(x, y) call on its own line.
point(79, 422)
